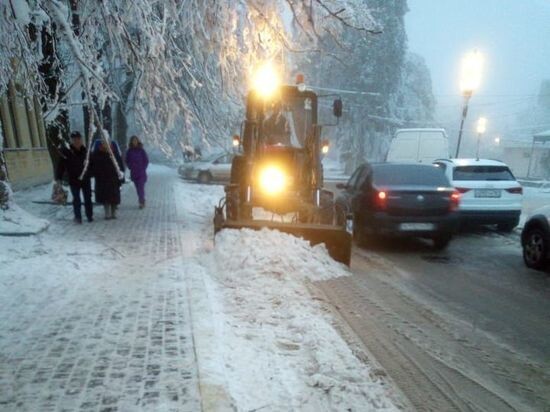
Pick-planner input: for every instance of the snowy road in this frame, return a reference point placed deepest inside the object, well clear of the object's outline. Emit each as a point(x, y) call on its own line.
point(466, 329)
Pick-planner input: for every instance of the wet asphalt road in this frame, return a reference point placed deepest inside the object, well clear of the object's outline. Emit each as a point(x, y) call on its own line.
point(463, 329)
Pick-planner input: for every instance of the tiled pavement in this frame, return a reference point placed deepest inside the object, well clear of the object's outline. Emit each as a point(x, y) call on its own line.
point(115, 335)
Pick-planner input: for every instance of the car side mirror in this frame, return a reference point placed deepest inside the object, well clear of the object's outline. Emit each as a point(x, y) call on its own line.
point(341, 185)
point(337, 107)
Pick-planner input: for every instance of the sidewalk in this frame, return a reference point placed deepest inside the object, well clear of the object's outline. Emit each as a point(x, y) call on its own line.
point(95, 317)
point(146, 313)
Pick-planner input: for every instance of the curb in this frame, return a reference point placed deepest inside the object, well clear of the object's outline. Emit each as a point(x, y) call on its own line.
point(23, 234)
point(212, 384)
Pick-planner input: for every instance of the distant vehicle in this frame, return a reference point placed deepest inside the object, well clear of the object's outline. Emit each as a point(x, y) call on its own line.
point(216, 168)
point(489, 192)
point(418, 146)
point(400, 199)
point(535, 239)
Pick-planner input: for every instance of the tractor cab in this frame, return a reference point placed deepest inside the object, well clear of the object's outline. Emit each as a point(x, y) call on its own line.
point(279, 170)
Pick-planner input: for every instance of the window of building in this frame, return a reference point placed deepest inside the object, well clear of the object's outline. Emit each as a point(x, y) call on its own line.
point(33, 124)
point(16, 131)
point(4, 132)
point(8, 124)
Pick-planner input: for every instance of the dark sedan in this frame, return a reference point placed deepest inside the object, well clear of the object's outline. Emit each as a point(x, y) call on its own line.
point(397, 199)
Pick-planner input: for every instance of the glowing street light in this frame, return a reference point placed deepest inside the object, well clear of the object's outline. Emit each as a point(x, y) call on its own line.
point(470, 75)
point(470, 79)
point(480, 128)
point(497, 140)
point(481, 125)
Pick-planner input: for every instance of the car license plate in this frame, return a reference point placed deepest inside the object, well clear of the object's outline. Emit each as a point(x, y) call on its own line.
point(416, 226)
point(487, 193)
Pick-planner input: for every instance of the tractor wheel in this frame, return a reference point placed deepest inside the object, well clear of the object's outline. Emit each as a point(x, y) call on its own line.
point(238, 167)
point(327, 209)
point(238, 178)
point(232, 204)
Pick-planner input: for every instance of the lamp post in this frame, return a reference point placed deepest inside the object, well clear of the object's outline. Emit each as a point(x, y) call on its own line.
point(481, 127)
point(470, 78)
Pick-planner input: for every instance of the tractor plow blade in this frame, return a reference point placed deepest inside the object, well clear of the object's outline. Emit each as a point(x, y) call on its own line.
point(336, 239)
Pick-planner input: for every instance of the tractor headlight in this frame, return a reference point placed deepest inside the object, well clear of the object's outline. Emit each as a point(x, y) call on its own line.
point(272, 180)
point(266, 80)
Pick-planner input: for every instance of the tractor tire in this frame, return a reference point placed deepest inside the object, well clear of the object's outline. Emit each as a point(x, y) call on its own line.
point(238, 167)
point(327, 209)
point(232, 204)
point(238, 178)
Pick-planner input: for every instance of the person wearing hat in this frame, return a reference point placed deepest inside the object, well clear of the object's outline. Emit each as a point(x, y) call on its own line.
point(72, 162)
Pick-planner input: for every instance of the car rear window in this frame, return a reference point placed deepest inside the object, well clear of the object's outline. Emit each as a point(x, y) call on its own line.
point(482, 173)
point(416, 175)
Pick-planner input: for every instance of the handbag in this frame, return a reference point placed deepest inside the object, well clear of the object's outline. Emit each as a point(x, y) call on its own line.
point(59, 195)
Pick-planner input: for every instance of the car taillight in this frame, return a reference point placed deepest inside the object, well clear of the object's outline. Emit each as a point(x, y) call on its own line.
point(462, 189)
point(380, 200)
point(515, 190)
point(455, 200)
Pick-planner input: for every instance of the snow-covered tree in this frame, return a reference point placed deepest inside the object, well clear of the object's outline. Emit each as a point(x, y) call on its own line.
point(415, 103)
point(392, 87)
point(174, 69)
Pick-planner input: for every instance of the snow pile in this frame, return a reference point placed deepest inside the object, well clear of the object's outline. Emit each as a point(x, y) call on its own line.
point(272, 345)
point(267, 251)
point(15, 221)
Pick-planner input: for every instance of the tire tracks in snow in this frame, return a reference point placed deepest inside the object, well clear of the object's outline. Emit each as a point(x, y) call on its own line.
point(437, 360)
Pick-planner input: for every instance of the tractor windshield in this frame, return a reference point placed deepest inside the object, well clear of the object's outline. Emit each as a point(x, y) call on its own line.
point(288, 121)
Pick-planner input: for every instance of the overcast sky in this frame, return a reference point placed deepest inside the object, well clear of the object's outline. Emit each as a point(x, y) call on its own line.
point(513, 35)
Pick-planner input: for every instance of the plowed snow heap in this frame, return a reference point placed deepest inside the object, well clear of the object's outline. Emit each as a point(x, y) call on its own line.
point(278, 168)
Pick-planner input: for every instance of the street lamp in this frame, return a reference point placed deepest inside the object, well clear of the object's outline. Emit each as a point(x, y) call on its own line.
point(497, 140)
point(481, 127)
point(470, 78)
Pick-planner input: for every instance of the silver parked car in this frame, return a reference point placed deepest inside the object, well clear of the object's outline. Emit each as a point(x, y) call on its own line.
point(215, 168)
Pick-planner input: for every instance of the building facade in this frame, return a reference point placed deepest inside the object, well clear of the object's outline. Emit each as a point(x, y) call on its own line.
point(25, 149)
point(528, 160)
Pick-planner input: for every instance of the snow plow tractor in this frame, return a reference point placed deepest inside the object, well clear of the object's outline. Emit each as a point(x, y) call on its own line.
point(277, 177)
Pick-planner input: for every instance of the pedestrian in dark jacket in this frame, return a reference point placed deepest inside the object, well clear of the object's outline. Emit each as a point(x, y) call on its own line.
point(72, 162)
point(137, 161)
point(107, 180)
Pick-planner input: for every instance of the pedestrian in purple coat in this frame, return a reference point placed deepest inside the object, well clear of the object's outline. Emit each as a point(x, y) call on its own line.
point(137, 161)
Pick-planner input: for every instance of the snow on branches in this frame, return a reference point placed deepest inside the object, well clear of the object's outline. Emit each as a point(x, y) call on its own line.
point(170, 65)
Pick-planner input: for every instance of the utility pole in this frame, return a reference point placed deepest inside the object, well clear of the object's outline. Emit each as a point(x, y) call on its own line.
point(472, 65)
point(467, 95)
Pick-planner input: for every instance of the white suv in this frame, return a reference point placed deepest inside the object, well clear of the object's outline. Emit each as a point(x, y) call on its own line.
point(490, 194)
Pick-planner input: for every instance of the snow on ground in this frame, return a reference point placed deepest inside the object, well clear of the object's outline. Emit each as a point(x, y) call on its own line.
point(280, 350)
point(16, 221)
point(270, 345)
point(81, 306)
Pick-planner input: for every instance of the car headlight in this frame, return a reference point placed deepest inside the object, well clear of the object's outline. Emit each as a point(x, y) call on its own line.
point(272, 180)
